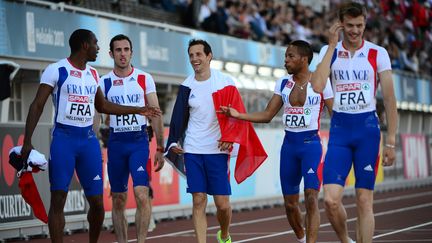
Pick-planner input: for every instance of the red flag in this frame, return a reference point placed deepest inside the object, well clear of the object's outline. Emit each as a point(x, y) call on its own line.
point(31, 195)
point(251, 152)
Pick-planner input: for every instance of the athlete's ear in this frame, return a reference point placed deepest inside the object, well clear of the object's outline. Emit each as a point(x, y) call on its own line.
point(111, 54)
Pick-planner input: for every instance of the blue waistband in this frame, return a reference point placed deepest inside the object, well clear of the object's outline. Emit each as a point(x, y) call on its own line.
point(349, 120)
point(301, 136)
point(73, 130)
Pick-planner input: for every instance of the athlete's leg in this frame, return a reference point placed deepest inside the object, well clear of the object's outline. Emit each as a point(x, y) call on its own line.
point(293, 213)
point(120, 223)
point(223, 213)
point(89, 171)
point(312, 215)
point(290, 177)
point(365, 217)
point(95, 217)
point(61, 169)
point(56, 219)
point(199, 216)
point(335, 210)
point(143, 212)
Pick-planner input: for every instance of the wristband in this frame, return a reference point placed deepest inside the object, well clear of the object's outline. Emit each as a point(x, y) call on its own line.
point(390, 146)
point(160, 149)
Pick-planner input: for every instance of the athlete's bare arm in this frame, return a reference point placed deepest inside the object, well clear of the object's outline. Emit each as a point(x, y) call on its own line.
point(329, 104)
point(35, 111)
point(104, 106)
point(319, 77)
point(386, 80)
point(157, 125)
point(265, 116)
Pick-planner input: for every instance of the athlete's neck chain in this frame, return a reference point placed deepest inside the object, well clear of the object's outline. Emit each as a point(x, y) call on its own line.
point(301, 86)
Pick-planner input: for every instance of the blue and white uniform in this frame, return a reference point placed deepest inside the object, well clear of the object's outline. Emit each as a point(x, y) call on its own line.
point(74, 144)
point(128, 146)
point(207, 168)
point(301, 150)
point(354, 131)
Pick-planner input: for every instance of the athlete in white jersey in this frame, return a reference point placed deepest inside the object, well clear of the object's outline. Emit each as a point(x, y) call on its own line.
point(301, 150)
point(75, 91)
point(128, 145)
point(355, 67)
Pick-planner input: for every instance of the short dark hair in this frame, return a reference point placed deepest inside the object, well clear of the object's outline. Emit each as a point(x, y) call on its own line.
point(303, 48)
point(78, 38)
point(119, 38)
point(207, 48)
point(352, 9)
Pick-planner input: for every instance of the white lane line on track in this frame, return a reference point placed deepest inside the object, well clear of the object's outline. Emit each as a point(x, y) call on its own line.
point(384, 200)
point(402, 230)
point(349, 220)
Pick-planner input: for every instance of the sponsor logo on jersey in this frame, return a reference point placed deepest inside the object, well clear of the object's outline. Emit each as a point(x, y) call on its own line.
point(361, 55)
point(348, 87)
point(290, 84)
point(75, 73)
point(343, 54)
point(78, 99)
point(294, 110)
point(118, 82)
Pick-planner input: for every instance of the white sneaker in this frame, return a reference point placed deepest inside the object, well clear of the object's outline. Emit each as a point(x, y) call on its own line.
point(152, 224)
point(351, 240)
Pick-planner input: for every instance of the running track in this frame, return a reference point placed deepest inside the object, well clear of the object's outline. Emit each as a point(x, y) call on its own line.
point(403, 216)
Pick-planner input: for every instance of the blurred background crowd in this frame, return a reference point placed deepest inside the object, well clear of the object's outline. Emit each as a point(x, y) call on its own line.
point(406, 24)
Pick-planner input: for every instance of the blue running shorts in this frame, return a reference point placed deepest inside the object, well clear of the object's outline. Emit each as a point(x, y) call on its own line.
point(207, 173)
point(128, 153)
point(300, 157)
point(75, 148)
point(354, 139)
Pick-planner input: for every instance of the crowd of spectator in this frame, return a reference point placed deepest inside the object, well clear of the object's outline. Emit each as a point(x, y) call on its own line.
point(403, 27)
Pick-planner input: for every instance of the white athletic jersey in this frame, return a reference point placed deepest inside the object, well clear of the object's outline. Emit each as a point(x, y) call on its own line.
point(203, 131)
point(74, 92)
point(131, 91)
point(354, 78)
point(307, 117)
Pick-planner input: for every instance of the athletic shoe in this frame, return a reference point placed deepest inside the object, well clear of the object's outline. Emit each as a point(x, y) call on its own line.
point(219, 238)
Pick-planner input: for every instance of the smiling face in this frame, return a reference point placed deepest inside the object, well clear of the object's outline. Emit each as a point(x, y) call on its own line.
point(121, 53)
point(353, 29)
point(199, 60)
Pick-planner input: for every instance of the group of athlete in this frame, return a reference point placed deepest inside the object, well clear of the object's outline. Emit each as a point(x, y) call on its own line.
point(345, 81)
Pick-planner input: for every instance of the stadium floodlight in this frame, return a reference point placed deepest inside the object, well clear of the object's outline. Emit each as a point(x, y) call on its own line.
point(398, 105)
point(232, 67)
point(412, 106)
point(249, 69)
point(216, 64)
point(279, 72)
point(404, 105)
point(264, 71)
point(430, 108)
point(419, 107)
point(425, 108)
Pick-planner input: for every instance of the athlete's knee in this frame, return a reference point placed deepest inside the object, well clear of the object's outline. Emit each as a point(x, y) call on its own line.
point(331, 204)
point(119, 201)
point(95, 202)
point(58, 200)
point(291, 205)
point(199, 200)
point(223, 206)
point(311, 201)
point(364, 202)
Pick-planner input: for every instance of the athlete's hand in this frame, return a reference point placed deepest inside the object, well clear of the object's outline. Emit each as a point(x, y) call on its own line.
point(229, 111)
point(389, 156)
point(225, 146)
point(25, 151)
point(150, 111)
point(158, 161)
point(333, 33)
point(177, 149)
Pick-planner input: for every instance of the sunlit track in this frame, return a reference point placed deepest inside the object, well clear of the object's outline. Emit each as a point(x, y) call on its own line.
point(352, 205)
